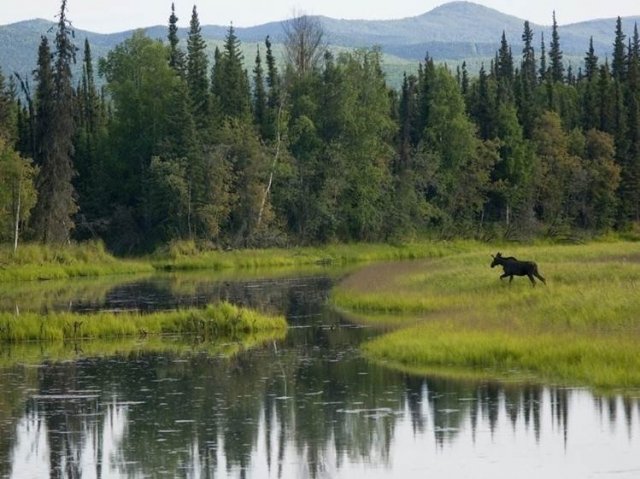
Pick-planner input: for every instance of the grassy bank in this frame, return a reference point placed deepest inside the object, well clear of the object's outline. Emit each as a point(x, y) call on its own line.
point(37, 262)
point(455, 314)
point(185, 256)
point(221, 320)
point(34, 261)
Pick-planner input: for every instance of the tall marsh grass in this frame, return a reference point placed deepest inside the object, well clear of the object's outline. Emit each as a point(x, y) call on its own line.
point(36, 261)
point(220, 320)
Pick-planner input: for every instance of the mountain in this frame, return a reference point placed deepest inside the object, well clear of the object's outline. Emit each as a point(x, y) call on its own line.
point(451, 32)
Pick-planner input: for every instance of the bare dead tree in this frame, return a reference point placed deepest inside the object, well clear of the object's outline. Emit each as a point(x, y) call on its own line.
point(304, 42)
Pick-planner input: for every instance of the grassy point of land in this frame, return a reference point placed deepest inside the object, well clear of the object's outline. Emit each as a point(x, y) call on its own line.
point(454, 314)
point(222, 320)
point(37, 262)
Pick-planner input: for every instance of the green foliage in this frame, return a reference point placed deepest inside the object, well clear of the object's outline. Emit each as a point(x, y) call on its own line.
point(326, 151)
point(17, 192)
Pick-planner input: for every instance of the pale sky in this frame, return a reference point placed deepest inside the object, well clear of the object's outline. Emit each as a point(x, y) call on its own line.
point(107, 16)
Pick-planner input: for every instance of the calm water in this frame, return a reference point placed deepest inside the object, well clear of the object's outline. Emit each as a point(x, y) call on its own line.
point(307, 406)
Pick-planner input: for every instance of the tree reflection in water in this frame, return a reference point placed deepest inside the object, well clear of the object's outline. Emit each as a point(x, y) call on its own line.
point(285, 415)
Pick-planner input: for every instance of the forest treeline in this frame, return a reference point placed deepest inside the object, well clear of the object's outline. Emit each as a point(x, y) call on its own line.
point(317, 148)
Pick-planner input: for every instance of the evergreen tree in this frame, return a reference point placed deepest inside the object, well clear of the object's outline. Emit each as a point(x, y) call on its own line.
point(260, 113)
point(505, 74)
point(483, 104)
point(555, 54)
point(527, 83)
point(409, 134)
point(44, 101)
point(90, 151)
point(630, 180)
point(176, 55)
point(464, 82)
point(197, 73)
point(619, 58)
point(590, 62)
point(274, 95)
point(589, 91)
point(605, 96)
point(273, 81)
point(230, 82)
point(542, 73)
point(528, 65)
point(52, 217)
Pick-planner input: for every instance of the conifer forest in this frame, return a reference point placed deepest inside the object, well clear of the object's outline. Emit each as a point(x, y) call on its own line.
point(165, 140)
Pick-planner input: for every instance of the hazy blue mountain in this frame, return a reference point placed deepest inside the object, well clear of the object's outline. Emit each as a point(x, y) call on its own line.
point(451, 32)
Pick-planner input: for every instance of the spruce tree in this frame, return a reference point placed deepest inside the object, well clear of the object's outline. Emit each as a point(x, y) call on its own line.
point(619, 58)
point(464, 82)
point(527, 82)
point(197, 71)
point(542, 73)
point(590, 62)
point(231, 85)
point(259, 97)
point(630, 178)
point(590, 103)
point(555, 54)
point(605, 97)
point(505, 72)
point(274, 94)
point(176, 55)
point(52, 217)
point(528, 66)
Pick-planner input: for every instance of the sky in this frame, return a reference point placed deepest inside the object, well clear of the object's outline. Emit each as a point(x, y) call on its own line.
point(107, 16)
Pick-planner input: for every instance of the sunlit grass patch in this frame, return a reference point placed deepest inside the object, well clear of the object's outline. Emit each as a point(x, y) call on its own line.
point(601, 361)
point(583, 326)
point(220, 320)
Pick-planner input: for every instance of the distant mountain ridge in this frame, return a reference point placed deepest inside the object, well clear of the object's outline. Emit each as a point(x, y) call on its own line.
point(453, 31)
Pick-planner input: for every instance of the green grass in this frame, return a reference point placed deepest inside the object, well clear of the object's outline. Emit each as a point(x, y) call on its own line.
point(454, 313)
point(220, 320)
point(37, 262)
point(185, 255)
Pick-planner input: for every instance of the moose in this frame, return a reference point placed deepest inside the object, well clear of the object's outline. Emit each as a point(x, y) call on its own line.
point(513, 267)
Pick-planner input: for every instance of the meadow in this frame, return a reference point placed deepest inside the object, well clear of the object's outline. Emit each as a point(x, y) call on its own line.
point(453, 315)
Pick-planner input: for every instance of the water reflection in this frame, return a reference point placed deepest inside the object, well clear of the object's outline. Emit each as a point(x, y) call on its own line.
point(306, 407)
point(284, 414)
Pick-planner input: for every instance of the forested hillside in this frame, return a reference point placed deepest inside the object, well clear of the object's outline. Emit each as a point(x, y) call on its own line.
point(453, 32)
point(185, 143)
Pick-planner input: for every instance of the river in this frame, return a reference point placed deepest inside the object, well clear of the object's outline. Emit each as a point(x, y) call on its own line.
point(309, 406)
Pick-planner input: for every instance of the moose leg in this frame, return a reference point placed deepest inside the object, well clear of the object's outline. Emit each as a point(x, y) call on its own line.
point(533, 281)
point(510, 279)
point(505, 276)
point(539, 276)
